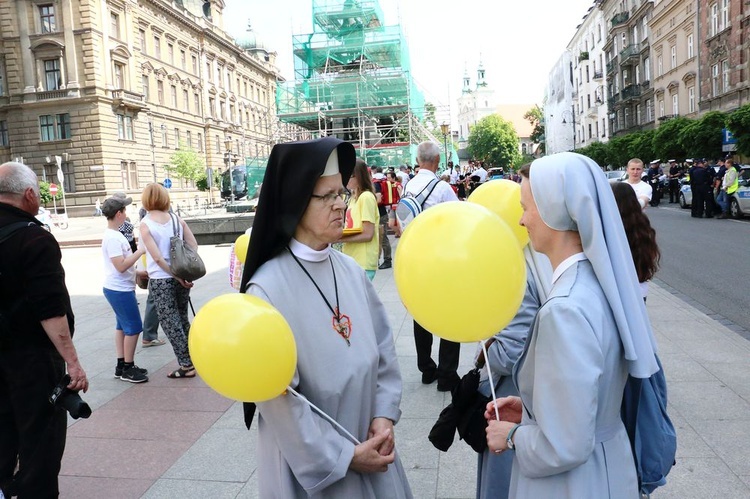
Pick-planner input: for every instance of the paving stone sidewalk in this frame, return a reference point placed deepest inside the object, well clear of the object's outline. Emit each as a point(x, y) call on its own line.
point(177, 438)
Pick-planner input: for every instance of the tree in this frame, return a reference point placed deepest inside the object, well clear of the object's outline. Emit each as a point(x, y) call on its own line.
point(535, 116)
point(641, 145)
point(44, 193)
point(739, 123)
point(494, 140)
point(666, 143)
point(701, 138)
point(597, 151)
point(187, 164)
point(619, 151)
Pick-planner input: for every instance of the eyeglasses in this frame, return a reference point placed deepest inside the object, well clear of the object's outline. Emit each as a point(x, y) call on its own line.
point(330, 198)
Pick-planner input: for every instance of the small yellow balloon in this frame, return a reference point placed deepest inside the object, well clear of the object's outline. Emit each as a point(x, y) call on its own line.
point(460, 251)
point(243, 348)
point(503, 197)
point(240, 247)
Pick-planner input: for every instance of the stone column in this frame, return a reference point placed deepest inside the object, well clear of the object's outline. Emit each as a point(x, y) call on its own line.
point(27, 57)
point(71, 62)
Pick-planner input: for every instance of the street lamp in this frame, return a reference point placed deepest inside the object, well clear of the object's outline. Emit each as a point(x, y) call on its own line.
point(573, 121)
point(228, 159)
point(444, 129)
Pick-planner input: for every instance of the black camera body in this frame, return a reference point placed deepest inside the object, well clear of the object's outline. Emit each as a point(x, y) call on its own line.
point(69, 400)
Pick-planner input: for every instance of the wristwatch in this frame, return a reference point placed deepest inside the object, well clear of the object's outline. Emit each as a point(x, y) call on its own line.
point(509, 438)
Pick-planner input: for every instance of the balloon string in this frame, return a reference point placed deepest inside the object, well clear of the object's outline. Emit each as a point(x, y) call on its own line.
point(324, 415)
point(492, 382)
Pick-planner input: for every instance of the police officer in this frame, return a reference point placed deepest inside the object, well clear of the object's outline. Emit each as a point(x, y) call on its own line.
point(654, 174)
point(675, 172)
point(701, 184)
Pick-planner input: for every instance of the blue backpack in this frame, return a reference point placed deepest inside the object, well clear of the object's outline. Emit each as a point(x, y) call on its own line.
point(652, 435)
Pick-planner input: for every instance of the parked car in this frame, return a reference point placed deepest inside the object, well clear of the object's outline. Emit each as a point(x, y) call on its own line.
point(616, 175)
point(739, 202)
point(495, 174)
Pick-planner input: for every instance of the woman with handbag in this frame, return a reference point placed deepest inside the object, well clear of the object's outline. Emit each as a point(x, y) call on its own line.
point(362, 213)
point(171, 293)
point(346, 358)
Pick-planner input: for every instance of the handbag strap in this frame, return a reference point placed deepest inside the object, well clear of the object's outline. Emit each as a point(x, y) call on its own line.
point(175, 225)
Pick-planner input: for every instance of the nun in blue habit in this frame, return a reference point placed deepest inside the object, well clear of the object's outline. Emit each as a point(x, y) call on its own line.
point(564, 431)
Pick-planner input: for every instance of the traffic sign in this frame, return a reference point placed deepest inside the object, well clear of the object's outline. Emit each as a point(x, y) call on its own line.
point(53, 189)
point(167, 183)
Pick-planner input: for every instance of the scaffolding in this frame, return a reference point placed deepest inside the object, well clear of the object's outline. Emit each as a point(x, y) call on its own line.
point(352, 80)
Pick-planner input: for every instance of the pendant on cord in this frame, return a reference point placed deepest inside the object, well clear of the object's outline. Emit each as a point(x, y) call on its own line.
point(342, 324)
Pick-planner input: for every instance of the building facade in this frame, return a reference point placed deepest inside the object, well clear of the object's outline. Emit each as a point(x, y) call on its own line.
point(559, 111)
point(675, 46)
point(114, 87)
point(587, 71)
point(723, 73)
point(629, 65)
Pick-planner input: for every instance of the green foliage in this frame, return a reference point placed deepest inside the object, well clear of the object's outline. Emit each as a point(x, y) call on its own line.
point(666, 143)
point(44, 193)
point(494, 140)
point(202, 183)
point(618, 151)
point(187, 164)
point(597, 151)
point(535, 116)
point(641, 145)
point(701, 138)
point(739, 123)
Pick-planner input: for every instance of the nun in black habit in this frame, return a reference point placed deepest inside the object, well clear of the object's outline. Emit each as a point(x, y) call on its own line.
point(346, 359)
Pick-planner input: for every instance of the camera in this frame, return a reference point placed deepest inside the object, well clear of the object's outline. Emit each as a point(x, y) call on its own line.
point(69, 400)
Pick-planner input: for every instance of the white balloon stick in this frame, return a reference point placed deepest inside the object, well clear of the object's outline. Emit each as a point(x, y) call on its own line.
point(492, 382)
point(324, 415)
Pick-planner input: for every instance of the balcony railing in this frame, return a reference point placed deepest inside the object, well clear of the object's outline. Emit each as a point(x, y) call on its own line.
point(668, 117)
point(51, 94)
point(620, 18)
point(631, 50)
point(646, 85)
point(598, 75)
point(631, 91)
point(611, 65)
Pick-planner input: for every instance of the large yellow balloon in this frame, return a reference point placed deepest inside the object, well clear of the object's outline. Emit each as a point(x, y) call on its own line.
point(243, 348)
point(460, 253)
point(240, 247)
point(503, 197)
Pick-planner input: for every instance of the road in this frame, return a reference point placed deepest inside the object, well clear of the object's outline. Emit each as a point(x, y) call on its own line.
point(707, 260)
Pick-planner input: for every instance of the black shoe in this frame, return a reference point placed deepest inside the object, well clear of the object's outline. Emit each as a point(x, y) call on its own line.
point(385, 265)
point(134, 375)
point(429, 377)
point(119, 370)
point(723, 215)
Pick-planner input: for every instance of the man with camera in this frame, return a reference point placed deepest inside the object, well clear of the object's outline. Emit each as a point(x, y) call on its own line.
point(36, 346)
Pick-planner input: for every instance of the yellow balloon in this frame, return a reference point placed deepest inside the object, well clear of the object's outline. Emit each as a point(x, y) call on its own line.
point(503, 197)
point(240, 247)
point(243, 348)
point(460, 251)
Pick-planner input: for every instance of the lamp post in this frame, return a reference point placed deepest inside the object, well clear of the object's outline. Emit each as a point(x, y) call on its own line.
point(228, 159)
point(444, 128)
point(573, 121)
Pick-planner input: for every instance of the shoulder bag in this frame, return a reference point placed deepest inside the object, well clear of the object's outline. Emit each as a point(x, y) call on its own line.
point(184, 262)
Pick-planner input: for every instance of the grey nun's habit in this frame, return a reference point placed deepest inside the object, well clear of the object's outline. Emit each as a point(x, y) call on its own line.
point(590, 333)
point(300, 454)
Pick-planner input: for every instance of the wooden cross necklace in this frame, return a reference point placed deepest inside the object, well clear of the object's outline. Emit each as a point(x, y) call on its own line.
point(341, 323)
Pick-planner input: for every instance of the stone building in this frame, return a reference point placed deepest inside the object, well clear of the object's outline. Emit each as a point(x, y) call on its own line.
point(114, 87)
point(675, 45)
point(474, 104)
point(629, 64)
point(724, 42)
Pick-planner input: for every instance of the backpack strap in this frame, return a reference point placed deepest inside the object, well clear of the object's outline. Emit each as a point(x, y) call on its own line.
point(422, 200)
point(10, 229)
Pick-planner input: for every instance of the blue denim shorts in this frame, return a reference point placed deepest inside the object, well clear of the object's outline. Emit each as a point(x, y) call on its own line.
point(126, 311)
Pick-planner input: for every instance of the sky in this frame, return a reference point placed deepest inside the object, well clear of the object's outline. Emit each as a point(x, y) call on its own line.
point(519, 41)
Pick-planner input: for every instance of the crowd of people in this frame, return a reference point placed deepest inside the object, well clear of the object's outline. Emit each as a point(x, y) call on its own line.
point(553, 431)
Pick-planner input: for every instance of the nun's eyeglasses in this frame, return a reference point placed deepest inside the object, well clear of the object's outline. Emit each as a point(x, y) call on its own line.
point(330, 198)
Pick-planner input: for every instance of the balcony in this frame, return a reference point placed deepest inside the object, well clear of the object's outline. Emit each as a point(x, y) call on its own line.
point(620, 18)
point(51, 94)
point(584, 56)
point(668, 117)
point(593, 111)
point(129, 100)
point(630, 52)
point(611, 65)
point(631, 92)
point(646, 85)
point(598, 75)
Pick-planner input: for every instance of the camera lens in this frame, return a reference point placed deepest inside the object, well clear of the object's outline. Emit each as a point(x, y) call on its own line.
point(73, 403)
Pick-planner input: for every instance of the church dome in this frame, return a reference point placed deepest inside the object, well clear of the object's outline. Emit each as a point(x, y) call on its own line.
point(250, 41)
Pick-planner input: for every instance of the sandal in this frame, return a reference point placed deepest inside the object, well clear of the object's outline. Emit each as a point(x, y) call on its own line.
point(182, 372)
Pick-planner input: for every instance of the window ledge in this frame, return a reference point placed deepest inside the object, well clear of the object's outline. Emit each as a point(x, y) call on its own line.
point(58, 141)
